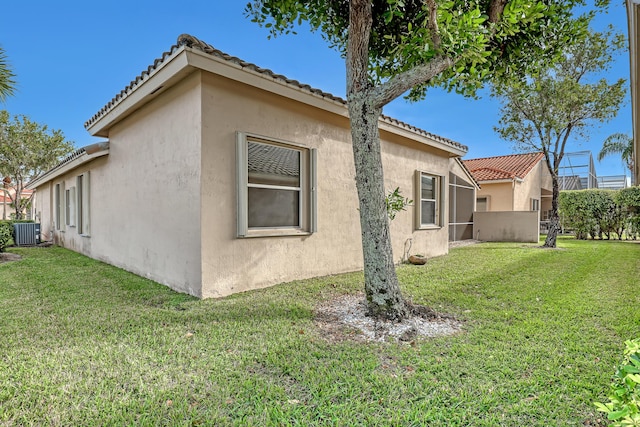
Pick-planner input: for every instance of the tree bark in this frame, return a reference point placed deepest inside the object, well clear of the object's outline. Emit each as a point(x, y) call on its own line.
point(382, 289)
point(554, 218)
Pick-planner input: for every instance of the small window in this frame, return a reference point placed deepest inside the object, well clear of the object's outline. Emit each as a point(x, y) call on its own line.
point(82, 203)
point(535, 204)
point(276, 187)
point(429, 209)
point(482, 204)
point(58, 206)
point(70, 206)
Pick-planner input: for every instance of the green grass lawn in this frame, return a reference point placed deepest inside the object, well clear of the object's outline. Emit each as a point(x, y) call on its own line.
point(83, 343)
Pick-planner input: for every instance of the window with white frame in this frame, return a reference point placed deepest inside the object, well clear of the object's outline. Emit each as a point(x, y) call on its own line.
point(429, 208)
point(276, 187)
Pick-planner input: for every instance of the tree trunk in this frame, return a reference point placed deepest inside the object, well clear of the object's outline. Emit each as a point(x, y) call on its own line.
point(381, 286)
point(554, 218)
point(382, 289)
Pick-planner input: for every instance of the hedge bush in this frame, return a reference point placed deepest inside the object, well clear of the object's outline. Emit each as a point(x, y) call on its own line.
point(601, 213)
point(6, 234)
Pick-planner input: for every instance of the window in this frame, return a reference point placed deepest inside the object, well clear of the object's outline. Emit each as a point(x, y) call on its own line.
point(482, 204)
point(58, 206)
point(276, 187)
point(429, 208)
point(70, 206)
point(82, 203)
point(535, 204)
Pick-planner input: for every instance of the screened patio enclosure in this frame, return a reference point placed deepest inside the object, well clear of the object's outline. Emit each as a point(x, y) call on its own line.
point(462, 199)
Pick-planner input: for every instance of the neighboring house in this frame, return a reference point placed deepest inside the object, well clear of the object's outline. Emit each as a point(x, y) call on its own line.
point(633, 17)
point(462, 201)
point(7, 209)
point(517, 182)
point(219, 176)
point(514, 199)
point(7, 195)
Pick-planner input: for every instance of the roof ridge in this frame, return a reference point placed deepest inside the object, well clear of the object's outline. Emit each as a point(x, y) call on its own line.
point(504, 155)
point(191, 42)
point(512, 174)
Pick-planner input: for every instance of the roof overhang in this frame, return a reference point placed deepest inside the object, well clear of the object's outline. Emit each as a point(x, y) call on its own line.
point(501, 181)
point(633, 19)
point(467, 172)
point(78, 158)
point(185, 60)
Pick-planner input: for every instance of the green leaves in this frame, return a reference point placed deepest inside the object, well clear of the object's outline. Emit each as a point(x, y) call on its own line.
point(7, 82)
point(27, 149)
point(6, 234)
point(625, 389)
point(410, 33)
point(395, 203)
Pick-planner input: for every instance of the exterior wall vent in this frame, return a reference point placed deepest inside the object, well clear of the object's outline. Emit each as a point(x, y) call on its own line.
point(26, 234)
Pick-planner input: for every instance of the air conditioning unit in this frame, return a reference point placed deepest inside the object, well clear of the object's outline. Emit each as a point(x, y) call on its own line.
point(26, 234)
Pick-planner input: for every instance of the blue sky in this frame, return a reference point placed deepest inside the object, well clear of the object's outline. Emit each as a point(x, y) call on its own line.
point(72, 57)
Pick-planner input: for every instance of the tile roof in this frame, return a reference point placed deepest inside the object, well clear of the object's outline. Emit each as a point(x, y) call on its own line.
point(194, 43)
point(87, 150)
point(273, 160)
point(502, 167)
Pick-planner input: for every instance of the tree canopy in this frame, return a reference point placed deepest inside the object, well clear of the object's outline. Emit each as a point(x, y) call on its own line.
point(545, 111)
point(485, 39)
point(27, 149)
point(397, 47)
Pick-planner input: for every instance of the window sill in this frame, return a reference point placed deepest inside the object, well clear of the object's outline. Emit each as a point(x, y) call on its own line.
point(430, 227)
point(275, 233)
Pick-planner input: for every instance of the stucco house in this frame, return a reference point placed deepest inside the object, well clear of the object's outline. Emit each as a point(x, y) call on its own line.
point(516, 182)
point(633, 19)
point(514, 200)
point(260, 168)
point(7, 196)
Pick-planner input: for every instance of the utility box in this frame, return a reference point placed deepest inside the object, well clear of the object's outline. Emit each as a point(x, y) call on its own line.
point(26, 234)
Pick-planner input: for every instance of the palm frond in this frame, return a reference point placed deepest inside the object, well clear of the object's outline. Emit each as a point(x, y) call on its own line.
point(7, 82)
point(618, 143)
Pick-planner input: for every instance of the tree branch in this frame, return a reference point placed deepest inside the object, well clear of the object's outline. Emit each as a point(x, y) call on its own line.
point(400, 83)
point(496, 7)
point(433, 23)
point(564, 143)
point(360, 22)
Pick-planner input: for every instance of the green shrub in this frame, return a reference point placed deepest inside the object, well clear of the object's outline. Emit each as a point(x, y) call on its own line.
point(6, 234)
point(395, 203)
point(624, 397)
point(601, 212)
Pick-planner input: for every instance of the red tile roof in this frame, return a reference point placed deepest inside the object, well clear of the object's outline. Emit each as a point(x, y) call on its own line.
point(503, 167)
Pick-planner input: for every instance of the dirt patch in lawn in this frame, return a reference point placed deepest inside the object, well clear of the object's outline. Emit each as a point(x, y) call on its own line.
point(344, 318)
point(7, 257)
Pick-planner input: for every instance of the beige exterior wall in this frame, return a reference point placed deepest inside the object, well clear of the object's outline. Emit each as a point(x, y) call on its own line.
point(506, 226)
point(527, 189)
point(499, 196)
point(179, 150)
point(232, 264)
point(517, 195)
point(153, 166)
